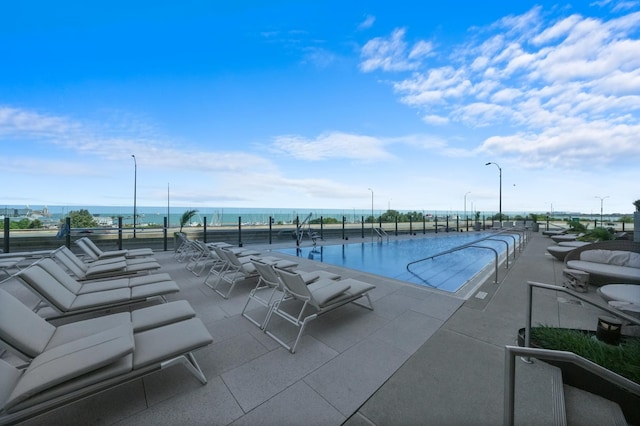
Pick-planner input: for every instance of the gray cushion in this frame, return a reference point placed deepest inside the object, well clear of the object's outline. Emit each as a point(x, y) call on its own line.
point(43, 283)
point(15, 319)
point(163, 343)
point(159, 315)
point(156, 289)
point(76, 330)
point(620, 273)
point(101, 298)
point(323, 295)
point(71, 360)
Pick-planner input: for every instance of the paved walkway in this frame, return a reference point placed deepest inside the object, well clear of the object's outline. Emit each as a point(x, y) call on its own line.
point(421, 357)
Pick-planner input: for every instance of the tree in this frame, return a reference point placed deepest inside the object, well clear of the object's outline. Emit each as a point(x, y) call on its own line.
point(35, 224)
point(186, 217)
point(82, 219)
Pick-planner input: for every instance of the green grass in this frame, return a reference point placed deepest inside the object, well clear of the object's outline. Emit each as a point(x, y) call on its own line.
point(623, 359)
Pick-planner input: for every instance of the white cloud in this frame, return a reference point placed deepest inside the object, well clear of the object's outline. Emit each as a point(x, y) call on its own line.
point(570, 84)
point(393, 53)
point(368, 22)
point(333, 145)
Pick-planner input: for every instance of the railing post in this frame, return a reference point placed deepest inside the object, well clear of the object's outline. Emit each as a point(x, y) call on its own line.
point(410, 226)
point(509, 387)
point(119, 232)
point(321, 228)
point(204, 229)
point(343, 220)
point(270, 228)
point(396, 226)
point(68, 237)
point(7, 227)
point(239, 231)
point(424, 225)
point(457, 223)
point(164, 232)
point(447, 228)
point(362, 222)
point(436, 223)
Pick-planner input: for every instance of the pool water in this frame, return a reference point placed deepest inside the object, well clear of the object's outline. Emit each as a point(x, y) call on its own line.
point(389, 259)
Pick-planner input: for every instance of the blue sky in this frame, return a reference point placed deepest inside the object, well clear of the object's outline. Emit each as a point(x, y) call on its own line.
point(320, 104)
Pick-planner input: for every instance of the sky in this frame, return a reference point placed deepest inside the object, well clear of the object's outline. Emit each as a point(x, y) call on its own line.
point(322, 105)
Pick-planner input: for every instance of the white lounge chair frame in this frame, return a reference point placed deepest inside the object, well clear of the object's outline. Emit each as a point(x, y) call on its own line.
point(322, 296)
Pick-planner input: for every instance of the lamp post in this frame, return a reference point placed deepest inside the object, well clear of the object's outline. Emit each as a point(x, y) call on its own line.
point(601, 204)
point(500, 197)
point(465, 205)
point(135, 187)
point(372, 219)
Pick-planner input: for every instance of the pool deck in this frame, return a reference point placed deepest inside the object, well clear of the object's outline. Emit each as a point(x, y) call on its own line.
point(421, 357)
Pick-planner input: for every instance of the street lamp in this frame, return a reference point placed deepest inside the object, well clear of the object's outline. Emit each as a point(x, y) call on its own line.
point(500, 205)
point(372, 220)
point(135, 186)
point(601, 203)
point(465, 205)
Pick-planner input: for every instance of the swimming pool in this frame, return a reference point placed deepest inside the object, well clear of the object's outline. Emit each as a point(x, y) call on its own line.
point(449, 273)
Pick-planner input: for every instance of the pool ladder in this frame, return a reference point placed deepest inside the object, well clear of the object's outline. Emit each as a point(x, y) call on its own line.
point(381, 234)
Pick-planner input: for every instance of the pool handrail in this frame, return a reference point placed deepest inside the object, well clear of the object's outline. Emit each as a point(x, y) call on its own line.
point(466, 246)
point(472, 244)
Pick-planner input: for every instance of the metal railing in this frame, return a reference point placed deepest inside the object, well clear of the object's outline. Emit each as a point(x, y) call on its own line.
point(381, 233)
point(528, 352)
point(511, 352)
point(473, 244)
point(604, 307)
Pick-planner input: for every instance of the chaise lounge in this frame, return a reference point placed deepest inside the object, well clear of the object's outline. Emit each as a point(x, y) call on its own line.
point(320, 297)
point(94, 252)
point(71, 362)
point(67, 296)
point(607, 262)
point(108, 269)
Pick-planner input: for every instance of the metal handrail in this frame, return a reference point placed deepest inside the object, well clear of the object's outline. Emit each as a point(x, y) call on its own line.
point(466, 246)
point(511, 352)
point(604, 307)
point(472, 244)
point(381, 233)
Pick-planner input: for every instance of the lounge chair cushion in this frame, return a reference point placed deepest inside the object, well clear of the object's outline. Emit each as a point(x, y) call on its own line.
point(326, 293)
point(160, 315)
point(162, 343)
point(15, 317)
point(634, 260)
point(619, 273)
point(72, 360)
point(141, 320)
point(610, 257)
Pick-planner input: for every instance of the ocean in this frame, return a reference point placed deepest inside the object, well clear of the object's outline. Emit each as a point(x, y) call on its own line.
point(222, 216)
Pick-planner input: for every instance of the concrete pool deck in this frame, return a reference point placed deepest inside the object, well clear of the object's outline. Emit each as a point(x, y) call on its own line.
point(421, 357)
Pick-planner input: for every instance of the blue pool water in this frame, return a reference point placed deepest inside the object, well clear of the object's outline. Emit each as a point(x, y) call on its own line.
point(449, 272)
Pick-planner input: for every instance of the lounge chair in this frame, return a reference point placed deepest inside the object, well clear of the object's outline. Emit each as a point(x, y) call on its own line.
point(67, 296)
point(321, 297)
point(95, 253)
point(559, 231)
point(72, 362)
point(236, 269)
point(607, 262)
point(84, 271)
point(26, 334)
point(566, 237)
point(269, 283)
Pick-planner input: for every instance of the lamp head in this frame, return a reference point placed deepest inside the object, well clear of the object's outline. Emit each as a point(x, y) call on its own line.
point(487, 164)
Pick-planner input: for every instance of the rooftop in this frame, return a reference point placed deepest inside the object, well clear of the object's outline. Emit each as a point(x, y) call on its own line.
point(421, 357)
